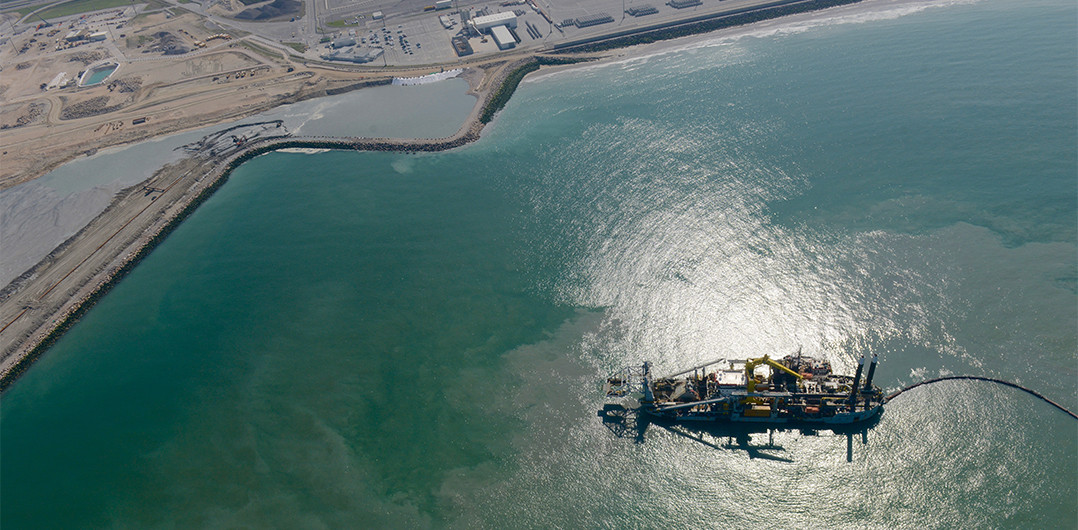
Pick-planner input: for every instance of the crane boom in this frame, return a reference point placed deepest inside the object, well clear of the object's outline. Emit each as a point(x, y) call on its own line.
point(750, 367)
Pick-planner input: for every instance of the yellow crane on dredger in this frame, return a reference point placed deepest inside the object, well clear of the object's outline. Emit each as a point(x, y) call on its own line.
point(761, 406)
point(750, 368)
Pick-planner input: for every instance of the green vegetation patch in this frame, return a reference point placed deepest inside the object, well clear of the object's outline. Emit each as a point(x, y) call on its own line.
point(77, 7)
point(298, 46)
point(22, 11)
point(341, 23)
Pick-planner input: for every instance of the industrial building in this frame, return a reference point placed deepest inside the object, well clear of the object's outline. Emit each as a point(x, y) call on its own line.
point(343, 43)
point(505, 18)
point(498, 26)
point(502, 37)
point(461, 46)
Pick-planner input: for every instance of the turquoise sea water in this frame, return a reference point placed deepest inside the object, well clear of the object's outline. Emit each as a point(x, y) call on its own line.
point(361, 339)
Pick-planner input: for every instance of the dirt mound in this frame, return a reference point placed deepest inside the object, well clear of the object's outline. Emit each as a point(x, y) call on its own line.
point(85, 57)
point(168, 44)
point(129, 84)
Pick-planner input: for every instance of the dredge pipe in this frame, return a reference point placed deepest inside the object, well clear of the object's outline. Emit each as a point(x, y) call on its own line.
point(990, 380)
point(693, 369)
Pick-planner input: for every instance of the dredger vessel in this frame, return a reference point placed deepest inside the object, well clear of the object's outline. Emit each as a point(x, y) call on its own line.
point(796, 389)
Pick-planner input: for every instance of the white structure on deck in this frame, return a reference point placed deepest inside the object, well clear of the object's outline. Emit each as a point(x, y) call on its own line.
point(502, 37)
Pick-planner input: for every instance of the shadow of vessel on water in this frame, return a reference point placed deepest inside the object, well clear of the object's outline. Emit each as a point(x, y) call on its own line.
point(630, 423)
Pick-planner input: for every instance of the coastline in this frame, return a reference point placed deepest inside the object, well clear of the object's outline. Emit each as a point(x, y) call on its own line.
point(41, 305)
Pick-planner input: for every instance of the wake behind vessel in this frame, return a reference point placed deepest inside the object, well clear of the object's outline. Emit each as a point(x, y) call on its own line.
point(796, 389)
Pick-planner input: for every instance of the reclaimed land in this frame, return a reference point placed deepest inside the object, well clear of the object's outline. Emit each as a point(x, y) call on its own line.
point(39, 307)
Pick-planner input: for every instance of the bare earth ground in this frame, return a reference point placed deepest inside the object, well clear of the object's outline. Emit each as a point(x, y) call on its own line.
point(225, 81)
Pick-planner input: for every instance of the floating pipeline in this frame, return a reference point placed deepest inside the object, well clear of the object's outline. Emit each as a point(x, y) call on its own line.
point(988, 379)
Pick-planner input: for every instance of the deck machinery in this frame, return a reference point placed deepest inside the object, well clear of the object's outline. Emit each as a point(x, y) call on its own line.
point(796, 389)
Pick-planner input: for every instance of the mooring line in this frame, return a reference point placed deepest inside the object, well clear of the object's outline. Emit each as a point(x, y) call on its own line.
point(990, 380)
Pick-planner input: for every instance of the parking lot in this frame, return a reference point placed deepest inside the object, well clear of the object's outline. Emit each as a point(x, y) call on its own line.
point(419, 40)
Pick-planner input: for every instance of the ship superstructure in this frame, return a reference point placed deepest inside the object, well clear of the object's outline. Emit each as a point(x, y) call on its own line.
point(795, 389)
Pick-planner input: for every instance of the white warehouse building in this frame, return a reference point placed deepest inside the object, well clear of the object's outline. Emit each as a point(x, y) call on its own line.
point(502, 37)
point(505, 18)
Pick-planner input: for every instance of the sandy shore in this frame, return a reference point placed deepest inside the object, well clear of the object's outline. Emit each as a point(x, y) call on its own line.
point(38, 307)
